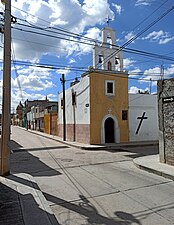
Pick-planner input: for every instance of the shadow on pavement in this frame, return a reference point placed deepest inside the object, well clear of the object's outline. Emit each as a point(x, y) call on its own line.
point(10, 209)
point(21, 209)
point(31, 211)
point(85, 208)
point(137, 151)
point(39, 149)
point(142, 151)
point(87, 211)
point(25, 162)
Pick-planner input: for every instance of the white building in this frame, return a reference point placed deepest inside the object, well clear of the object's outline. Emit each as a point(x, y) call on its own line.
point(143, 117)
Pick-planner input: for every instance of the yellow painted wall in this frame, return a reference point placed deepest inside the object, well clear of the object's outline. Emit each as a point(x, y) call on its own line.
point(50, 123)
point(47, 125)
point(100, 103)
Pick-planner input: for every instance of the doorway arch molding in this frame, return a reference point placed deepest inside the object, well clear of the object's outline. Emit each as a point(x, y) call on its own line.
point(116, 128)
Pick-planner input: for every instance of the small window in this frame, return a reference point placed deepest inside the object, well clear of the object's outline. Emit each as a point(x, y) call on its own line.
point(110, 87)
point(124, 115)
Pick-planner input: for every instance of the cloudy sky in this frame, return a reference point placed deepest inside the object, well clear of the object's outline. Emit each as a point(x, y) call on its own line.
point(55, 34)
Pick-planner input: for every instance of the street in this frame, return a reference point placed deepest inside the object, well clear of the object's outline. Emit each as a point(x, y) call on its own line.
point(93, 187)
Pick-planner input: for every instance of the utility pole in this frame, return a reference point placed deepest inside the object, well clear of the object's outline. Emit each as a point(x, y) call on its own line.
point(6, 99)
point(162, 72)
point(150, 88)
point(64, 112)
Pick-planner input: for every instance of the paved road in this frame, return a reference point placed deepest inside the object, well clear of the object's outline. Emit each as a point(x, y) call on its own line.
point(93, 187)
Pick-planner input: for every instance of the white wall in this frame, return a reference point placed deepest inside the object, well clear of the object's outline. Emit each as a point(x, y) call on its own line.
point(138, 104)
point(82, 113)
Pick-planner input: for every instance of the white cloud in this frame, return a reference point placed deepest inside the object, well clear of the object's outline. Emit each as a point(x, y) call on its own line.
point(135, 90)
point(155, 74)
point(151, 74)
point(118, 8)
point(93, 33)
point(143, 2)
point(80, 48)
point(69, 14)
point(166, 40)
point(96, 11)
point(52, 97)
point(71, 61)
point(161, 37)
point(31, 78)
point(128, 62)
point(134, 73)
point(169, 71)
point(63, 71)
point(31, 82)
point(129, 36)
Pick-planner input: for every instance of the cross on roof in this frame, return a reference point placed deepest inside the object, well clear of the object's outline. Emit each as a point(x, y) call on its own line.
point(108, 19)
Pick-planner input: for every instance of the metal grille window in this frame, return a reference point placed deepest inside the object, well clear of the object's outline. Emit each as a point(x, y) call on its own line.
point(110, 87)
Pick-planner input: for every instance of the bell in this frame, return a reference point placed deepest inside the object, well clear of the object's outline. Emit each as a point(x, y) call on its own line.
point(100, 59)
point(116, 61)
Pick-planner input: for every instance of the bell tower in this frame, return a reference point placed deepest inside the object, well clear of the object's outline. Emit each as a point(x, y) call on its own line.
point(107, 56)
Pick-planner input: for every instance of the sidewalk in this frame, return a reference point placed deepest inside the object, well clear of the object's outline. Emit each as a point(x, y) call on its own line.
point(95, 147)
point(22, 203)
point(152, 164)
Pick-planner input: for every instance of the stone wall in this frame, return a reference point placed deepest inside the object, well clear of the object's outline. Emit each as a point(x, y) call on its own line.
point(166, 120)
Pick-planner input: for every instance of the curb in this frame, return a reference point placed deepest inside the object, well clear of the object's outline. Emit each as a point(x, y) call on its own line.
point(117, 147)
point(97, 147)
point(152, 170)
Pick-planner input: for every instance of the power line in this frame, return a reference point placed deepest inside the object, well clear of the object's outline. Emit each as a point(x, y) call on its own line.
point(64, 33)
point(55, 28)
point(82, 69)
point(139, 34)
point(52, 36)
point(59, 67)
point(64, 30)
point(128, 50)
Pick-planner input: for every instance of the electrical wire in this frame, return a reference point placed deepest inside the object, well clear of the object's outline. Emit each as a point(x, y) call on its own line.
point(128, 50)
point(139, 33)
point(64, 30)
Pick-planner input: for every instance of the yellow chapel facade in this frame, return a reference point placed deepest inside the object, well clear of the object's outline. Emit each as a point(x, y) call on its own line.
point(97, 106)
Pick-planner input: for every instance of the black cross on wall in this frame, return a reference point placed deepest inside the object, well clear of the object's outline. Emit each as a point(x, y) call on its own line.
point(141, 120)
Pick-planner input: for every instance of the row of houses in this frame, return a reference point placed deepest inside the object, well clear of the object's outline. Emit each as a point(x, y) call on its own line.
point(137, 122)
point(38, 115)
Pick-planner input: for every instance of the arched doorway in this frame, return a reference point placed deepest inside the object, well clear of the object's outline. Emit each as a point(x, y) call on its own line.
point(109, 131)
point(109, 126)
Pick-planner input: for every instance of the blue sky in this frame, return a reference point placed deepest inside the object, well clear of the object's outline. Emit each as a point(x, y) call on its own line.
point(87, 18)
